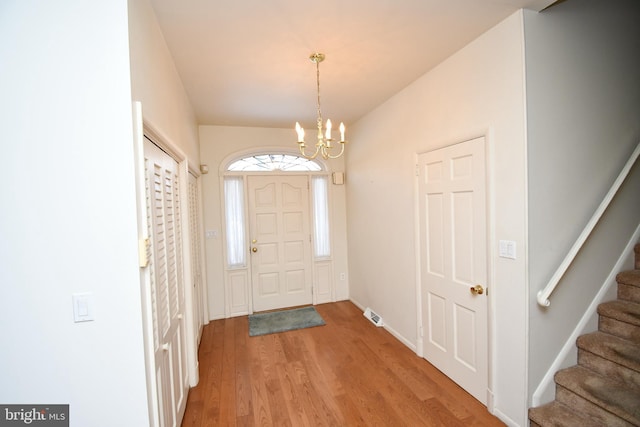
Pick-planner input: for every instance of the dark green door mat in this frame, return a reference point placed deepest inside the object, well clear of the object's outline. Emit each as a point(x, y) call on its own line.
point(282, 321)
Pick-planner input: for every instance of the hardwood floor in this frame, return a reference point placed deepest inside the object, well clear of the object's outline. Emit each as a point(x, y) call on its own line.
point(346, 373)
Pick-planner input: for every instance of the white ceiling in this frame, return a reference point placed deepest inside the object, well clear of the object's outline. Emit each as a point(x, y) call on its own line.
point(245, 62)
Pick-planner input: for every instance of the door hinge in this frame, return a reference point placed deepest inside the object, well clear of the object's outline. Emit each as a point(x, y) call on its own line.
point(143, 248)
point(417, 170)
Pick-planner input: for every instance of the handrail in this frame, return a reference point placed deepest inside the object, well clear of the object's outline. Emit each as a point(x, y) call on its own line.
point(544, 294)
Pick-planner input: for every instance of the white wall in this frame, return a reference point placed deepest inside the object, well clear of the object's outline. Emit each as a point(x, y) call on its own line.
point(216, 144)
point(68, 217)
point(477, 91)
point(583, 104)
point(156, 83)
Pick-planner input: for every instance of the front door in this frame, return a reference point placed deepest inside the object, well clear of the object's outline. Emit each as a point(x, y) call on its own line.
point(453, 262)
point(280, 237)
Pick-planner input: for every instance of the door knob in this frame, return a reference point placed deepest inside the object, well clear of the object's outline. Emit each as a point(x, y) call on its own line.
point(254, 249)
point(477, 290)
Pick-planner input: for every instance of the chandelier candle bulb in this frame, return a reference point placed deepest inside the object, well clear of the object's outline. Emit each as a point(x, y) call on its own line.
point(341, 132)
point(300, 132)
point(328, 134)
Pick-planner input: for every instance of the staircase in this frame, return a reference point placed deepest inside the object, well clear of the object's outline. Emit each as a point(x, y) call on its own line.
point(603, 389)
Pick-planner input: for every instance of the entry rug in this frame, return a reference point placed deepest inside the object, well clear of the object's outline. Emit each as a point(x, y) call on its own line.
point(282, 321)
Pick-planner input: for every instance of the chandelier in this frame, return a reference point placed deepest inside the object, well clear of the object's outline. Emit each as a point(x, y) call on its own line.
point(324, 145)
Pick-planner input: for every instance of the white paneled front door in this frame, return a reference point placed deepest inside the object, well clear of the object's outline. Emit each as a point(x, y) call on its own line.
point(280, 237)
point(452, 212)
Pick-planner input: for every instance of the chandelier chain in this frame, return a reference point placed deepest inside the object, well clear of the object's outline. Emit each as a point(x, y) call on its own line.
point(319, 121)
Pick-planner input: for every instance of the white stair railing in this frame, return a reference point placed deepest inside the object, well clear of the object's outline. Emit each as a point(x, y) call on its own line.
point(544, 294)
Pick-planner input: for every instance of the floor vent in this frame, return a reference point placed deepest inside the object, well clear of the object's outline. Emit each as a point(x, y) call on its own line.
point(373, 317)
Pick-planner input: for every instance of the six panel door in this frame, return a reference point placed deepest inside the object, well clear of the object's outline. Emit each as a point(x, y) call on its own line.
point(280, 241)
point(453, 263)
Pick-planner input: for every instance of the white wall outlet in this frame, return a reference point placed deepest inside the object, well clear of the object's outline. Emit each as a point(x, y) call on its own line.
point(211, 234)
point(507, 249)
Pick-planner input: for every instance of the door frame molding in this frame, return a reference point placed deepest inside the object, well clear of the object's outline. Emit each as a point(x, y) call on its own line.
point(487, 134)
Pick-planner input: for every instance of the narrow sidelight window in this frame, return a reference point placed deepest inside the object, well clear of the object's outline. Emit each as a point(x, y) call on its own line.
point(234, 212)
point(322, 245)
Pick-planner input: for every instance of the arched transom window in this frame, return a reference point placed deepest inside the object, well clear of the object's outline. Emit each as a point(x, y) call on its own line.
point(274, 162)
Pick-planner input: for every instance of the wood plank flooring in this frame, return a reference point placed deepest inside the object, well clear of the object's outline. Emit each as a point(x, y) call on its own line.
point(346, 373)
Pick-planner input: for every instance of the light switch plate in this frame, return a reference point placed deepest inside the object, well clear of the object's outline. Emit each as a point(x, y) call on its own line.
point(507, 249)
point(83, 307)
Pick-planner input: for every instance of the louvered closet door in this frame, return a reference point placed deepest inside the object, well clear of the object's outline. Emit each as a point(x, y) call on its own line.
point(196, 268)
point(167, 287)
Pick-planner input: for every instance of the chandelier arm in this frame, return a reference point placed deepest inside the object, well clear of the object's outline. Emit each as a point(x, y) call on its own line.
point(305, 155)
point(326, 154)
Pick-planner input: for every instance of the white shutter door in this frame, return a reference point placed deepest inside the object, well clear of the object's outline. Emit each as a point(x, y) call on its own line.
point(166, 277)
point(194, 231)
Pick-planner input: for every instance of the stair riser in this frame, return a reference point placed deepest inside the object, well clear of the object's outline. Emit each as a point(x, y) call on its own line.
point(587, 408)
point(620, 329)
point(628, 292)
point(608, 368)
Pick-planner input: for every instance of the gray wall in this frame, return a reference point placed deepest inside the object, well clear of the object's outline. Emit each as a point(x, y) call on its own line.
point(583, 110)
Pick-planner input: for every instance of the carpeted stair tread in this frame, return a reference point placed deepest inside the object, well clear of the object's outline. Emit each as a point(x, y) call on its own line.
point(611, 356)
point(620, 318)
point(612, 397)
point(556, 414)
point(621, 351)
point(629, 277)
point(625, 311)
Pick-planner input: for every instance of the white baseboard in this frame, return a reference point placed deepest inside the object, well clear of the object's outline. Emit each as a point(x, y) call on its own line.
point(389, 329)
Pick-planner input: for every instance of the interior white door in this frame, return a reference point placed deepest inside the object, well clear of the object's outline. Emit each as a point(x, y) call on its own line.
point(280, 241)
point(166, 282)
point(452, 209)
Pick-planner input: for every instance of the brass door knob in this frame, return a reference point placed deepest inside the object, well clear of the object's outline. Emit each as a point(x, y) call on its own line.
point(254, 249)
point(477, 290)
